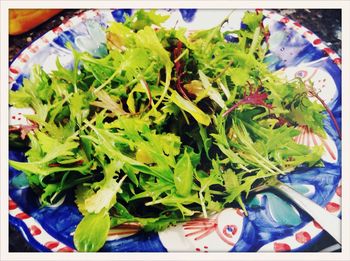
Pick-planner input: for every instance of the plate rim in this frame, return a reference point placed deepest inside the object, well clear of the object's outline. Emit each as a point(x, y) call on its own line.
point(47, 37)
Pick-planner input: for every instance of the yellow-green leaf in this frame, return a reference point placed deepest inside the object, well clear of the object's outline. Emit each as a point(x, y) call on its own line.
point(191, 108)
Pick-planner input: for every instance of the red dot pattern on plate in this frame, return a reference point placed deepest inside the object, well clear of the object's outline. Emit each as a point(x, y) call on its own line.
point(12, 205)
point(328, 51)
point(22, 215)
point(337, 60)
point(68, 23)
point(284, 20)
point(82, 16)
point(34, 230)
point(199, 250)
point(317, 41)
point(57, 30)
point(297, 24)
point(332, 207)
point(338, 191)
point(302, 237)
point(65, 249)
point(44, 39)
point(281, 247)
point(13, 70)
point(33, 48)
point(317, 225)
point(23, 58)
point(51, 244)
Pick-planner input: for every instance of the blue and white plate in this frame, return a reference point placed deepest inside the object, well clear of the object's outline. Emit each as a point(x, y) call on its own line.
point(273, 223)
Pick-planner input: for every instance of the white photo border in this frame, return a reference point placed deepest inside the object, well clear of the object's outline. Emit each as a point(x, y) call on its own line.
point(86, 4)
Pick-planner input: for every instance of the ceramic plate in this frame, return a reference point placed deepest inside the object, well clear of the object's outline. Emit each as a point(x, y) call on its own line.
point(273, 223)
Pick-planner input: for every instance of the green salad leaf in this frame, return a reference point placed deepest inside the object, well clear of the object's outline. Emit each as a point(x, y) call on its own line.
point(92, 231)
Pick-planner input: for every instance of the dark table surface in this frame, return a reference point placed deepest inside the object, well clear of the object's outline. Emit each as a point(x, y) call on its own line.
point(326, 23)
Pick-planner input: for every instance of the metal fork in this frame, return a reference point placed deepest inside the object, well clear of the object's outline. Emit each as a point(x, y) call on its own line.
point(329, 222)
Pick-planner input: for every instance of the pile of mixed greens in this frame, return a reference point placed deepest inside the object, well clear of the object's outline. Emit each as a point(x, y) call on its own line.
point(167, 126)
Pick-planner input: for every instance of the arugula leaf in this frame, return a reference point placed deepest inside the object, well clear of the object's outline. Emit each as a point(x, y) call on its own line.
point(183, 175)
point(252, 20)
point(107, 189)
point(212, 93)
point(92, 232)
point(142, 18)
point(188, 106)
point(120, 36)
point(206, 141)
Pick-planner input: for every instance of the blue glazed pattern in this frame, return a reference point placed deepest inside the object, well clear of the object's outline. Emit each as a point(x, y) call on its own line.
point(119, 14)
point(188, 14)
point(264, 224)
point(290, 47)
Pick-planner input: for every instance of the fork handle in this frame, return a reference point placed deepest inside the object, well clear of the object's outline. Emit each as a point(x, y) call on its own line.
point(329, 222)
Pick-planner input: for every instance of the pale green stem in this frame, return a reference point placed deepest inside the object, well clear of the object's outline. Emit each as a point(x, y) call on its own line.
point(181, 55)
point(166, 87)
point(106, 82)
point(255, 40)
point(203, 204)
